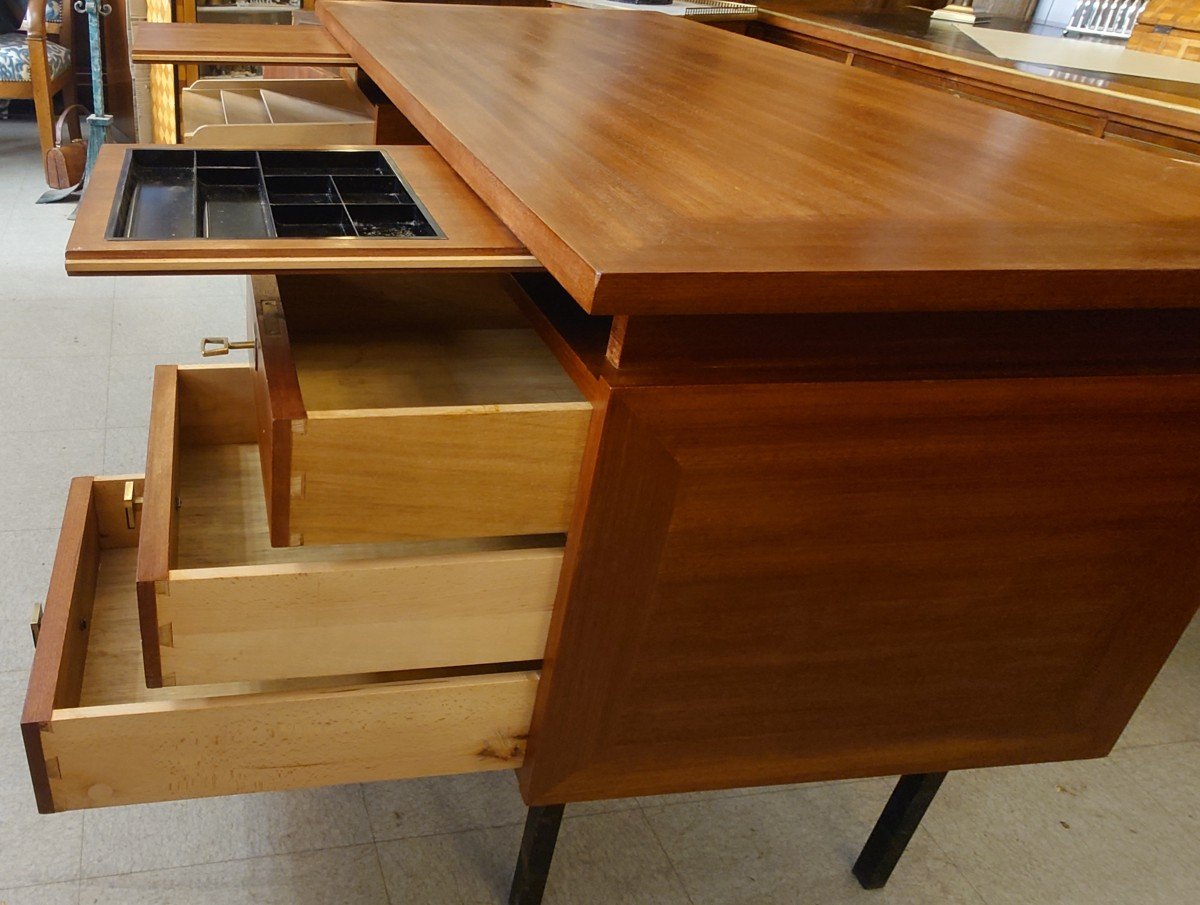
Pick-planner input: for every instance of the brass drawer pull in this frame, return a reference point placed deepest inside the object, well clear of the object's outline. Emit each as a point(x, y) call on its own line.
point(132, 505)
point(220, 345)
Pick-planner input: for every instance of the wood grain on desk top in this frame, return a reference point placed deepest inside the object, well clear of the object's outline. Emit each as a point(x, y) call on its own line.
point(656, 166)
point(206, 42)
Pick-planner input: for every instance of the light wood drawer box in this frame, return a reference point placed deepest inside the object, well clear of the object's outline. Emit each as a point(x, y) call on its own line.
point(410, 406)
point(95, 735)
point(219, 604)
point(276, 113)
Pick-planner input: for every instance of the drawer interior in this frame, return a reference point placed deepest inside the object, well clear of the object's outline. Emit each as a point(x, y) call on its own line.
point(96, 735)
point(229, 194)
point(417, 341)
point(276, 113)
point(219, 603)
point(243, 107)
point(221, 518)
point(411, 406)
point(214, 499)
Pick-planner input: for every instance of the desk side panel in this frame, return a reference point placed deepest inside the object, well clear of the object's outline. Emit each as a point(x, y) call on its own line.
point(794, 582)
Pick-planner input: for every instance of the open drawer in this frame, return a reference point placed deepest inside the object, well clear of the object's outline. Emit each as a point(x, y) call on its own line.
point(219, 604)
point(170, 209)
point(411, 406)
point(95, 735)
point(276, 113)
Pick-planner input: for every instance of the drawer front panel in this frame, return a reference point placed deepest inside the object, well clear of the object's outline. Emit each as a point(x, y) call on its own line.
point(508, 470)
point(256, 743)
point(314, 619)
point(95, 735)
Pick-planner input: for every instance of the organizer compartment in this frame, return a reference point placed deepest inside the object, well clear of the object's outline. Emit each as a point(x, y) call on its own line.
point(277, 113)
point(230, 204)
point(248, 209)
point(173, 194)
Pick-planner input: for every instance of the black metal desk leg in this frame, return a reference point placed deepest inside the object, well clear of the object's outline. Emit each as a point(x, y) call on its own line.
point(537, 849)
point(900, 818)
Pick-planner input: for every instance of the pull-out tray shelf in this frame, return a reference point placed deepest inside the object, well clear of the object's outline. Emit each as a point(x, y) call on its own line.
point(167, 209)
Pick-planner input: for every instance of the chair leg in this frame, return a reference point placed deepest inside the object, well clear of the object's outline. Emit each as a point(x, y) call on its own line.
point(43, 98)
point(43, 110)
point(537, 850)
point(900, 818)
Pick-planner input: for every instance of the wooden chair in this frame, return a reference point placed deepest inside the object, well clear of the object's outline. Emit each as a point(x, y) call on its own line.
point(33, 66)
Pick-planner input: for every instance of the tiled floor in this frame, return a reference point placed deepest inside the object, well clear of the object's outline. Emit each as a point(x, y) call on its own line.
point(75, 363)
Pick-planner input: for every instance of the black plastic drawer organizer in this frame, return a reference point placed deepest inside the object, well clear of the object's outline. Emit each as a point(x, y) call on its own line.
point(219, 194)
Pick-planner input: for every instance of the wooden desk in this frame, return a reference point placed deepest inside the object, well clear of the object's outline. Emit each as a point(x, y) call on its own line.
point(887, 408)
point(787, 562)
point(900, 41)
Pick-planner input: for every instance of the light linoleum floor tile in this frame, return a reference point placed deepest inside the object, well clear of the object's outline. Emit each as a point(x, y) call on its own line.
point(39, 853)
point(1169, 775)
point(175, 324)
point(600, 859)
point(443, 804)
point(46, 394)
point(797, 846)
point(57, 328)
point(339, 876)
point(124, 451)
point(1077, 833)
point(25, 561)
point(49, 894)
point(451, 804)
point(1170, 712)
point(181, 833)
point(38, 467)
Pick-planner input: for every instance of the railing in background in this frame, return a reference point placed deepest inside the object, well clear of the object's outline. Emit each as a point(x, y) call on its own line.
point(1105, 18)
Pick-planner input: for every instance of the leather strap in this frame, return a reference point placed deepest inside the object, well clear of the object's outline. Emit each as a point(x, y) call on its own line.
point(76, 133)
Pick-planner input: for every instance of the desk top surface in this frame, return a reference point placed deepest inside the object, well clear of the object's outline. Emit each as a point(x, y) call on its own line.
point(658, 166)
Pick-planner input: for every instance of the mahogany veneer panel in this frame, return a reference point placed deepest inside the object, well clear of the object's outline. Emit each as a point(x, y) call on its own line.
point(817, 581)
point(656, 167)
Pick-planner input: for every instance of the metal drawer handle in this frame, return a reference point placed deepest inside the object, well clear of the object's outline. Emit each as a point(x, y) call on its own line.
point(220, 345)
point(132, 504)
